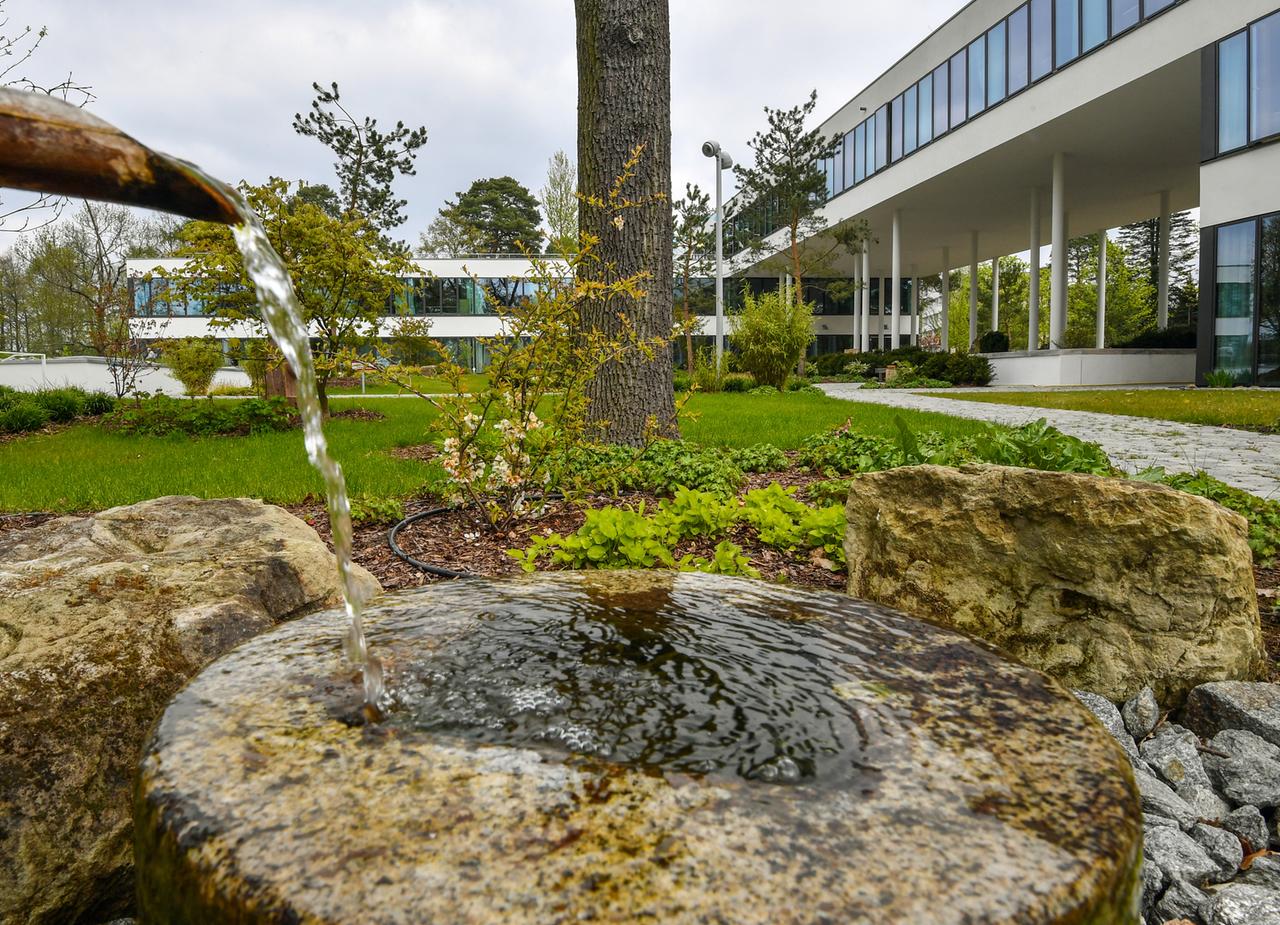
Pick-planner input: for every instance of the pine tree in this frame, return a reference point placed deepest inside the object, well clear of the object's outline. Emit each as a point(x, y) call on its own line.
point(694, 241)
point(1141, 242)
point(500, 214)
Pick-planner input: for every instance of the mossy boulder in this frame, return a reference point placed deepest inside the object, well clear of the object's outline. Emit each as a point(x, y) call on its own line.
point(627, 747)
point(1110, 585)
point(102, 620)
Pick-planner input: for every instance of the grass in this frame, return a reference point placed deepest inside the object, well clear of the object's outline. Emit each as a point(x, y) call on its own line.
point(87, 467)
point(428, 385)
point(1250, 409)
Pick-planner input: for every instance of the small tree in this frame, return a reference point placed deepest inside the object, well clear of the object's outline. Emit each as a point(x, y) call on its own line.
point(409, 342)
point(369, 159)
point(444, 237)
point(501, 215)
point(694, 240)
point(256, 357)
point(194, 361)
point(560, 204)
point(772, 335)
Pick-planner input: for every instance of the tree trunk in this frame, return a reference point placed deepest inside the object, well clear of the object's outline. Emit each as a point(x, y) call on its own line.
point(624, 100)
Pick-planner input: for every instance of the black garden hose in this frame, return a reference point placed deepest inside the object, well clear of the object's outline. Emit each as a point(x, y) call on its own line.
point(427, 567)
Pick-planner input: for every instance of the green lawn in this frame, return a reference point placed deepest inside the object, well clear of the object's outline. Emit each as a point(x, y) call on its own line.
point(87, 467)
point(428, 385)
point(1254, 409)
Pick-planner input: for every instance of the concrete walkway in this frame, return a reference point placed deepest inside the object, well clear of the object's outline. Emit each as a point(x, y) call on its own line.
point(1245, 460)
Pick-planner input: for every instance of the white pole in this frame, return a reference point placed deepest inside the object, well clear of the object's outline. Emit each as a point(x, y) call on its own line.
point(857, 305)
point(995, 294)
point(1058, 273)
point(719, 350)
point(946, 299)
point(895, 296)
point(1033, 291)
point(866, 295)
point(1102, 290)
point(973, 289)
point(1162, 297)
point(915, 307)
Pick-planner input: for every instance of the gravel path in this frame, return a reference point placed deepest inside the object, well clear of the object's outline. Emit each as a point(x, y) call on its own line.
point(1247, 460)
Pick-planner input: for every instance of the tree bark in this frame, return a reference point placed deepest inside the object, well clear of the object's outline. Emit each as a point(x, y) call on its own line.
point(624, 100)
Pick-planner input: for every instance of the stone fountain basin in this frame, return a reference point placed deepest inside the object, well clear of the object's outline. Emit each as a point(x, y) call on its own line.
point(623, 747)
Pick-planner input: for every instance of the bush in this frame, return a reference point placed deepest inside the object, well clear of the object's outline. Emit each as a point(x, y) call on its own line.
point(63, 405)
point(798, 384)
point(1220, 379)
point(8, 397)
point(681, 381)
point(763, 390)
point(97, 404)
point(957, 368)
point(161, 416)
point(193, 361)
point(22, 417)
point(771, 336)
point(993, 342)
point(737, 382)
point(1180, 337)
point(256, 357)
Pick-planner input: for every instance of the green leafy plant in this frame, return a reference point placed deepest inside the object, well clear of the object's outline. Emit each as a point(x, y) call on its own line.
point(1263, 515)
point(1220, 379)
point(609, 538)
point(161, 415)
point(691, 513)
point(63, 405)
point(759, 457)
point(726, 559)
point(1039, 446)
point(368, 510)
point(23, 417)
point(771, 336)
point(97, 404)
point(193, 361)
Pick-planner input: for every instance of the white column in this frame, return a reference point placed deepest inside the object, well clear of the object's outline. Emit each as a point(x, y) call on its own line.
point(1058, 277)
point(915, 307)
point(857, 304)
point(895, 296)
point(1101, 324)
point(995, 294)
point(866, 296)
point(973, 289)
point(1033, 290)
point(946, 299)
point(1162, 288)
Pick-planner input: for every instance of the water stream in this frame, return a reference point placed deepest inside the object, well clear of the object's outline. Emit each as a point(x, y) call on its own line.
point(282, 314)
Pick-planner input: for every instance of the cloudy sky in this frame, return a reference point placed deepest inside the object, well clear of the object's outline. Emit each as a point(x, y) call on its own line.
point(494, 81)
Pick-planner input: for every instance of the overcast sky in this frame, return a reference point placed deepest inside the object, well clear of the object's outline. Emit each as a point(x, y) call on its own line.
point(494, 81)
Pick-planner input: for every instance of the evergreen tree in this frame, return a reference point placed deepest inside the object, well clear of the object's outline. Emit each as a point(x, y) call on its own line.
point(368, 159)
point(1141, 242)
point(499, 214)
point(694, 243)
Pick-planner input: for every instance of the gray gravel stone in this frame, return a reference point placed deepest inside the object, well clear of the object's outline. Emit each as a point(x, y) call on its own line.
point(1254, 707)
point(1179, 855)
point(1110, 717)
point(1149, 820)
point(1141, 713)
point(1153, 881)
point(1173, 753)
point(1180, 901)
point(1251, 773)
point(1159, 800)
point(1204, 802)
point(1248, 823)
point(1222, 846)
point(1264, 871)
point(1243, 904)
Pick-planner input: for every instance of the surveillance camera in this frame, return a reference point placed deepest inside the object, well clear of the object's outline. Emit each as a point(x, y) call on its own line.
point(710, 148)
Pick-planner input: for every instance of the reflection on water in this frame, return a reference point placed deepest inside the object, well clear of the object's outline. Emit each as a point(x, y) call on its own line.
point(670, 679)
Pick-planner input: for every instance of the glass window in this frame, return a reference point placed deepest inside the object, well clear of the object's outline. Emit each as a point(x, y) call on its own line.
point(1151, 7)
point(977, 76)
point(860, 153)
point(1233, 92)
point(995, 64)
point(846, 148)
point(882, 137)
point(941, 100)
point(870, 143)
point(1041, 38)
point(1264, 77)
point(958, 68)
point(1094, 27)
point(1269, 304)
point(1018, 50)
point(1234, 300)
point(926, 111)
point(1067, 32)
point(910, 120)
point(896, 152)
point(1124, 15)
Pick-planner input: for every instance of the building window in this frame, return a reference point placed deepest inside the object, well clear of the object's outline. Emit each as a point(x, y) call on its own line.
point(1018, 37)
point(996, 64)
point(871, 146)
point(897, 124)
point(1233, 92)
point(1093, 28)
point(958, 68)
point(910, 120)
point(860, 153)
point(977, 76)
point(1155, 6)
point(847, 148)
point(1067, 32)
point(1234, 300)
point(1269, 304)
point(924, 116)
point(882, 137)
point(1264, 77)
point(1041, 38)
point(1124, 15)
point(941, 100)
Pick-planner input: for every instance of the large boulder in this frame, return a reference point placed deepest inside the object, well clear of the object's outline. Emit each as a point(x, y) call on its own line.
point(1110, 585)
point(102, 620)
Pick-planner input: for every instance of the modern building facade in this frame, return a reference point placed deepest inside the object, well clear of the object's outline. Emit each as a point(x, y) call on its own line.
point(462, 298)
point(1023, 123)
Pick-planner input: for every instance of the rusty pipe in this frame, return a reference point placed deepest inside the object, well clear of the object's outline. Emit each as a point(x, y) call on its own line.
point(49, 146)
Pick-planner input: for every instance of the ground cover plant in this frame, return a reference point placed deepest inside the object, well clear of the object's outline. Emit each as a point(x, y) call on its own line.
point(24, 412)
point(1247, 409)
